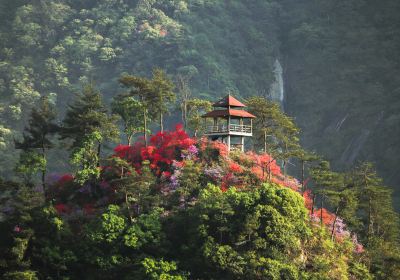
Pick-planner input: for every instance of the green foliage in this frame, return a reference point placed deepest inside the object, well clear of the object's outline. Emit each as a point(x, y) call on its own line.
point(160, 270)
point(163, 95)
point(55, 47)
point(51, 48)
point(88, 116)
point(195, 109)
point(21, 275)
point(30, 163)
point(130, 111)
point(37, 140)
point(239, 230)
point(86, 158)
point(274, 130)
point(112, 225)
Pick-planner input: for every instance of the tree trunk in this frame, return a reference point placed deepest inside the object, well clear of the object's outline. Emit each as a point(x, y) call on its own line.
point(334, 222)
point(370, 223)
point(184, 113)
point(128, 207)
point(322, 206)
point(269, 170)
point(44, 171)
point(44, 168)
point(129, 138)
point(98, 154)
point(265, 141)
point(302, 175)
point(313, 204)
point(145, 126)
point(161, 122)
point(284, 167)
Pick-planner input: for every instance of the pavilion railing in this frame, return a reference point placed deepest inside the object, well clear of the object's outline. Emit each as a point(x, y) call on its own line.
point(229, 128)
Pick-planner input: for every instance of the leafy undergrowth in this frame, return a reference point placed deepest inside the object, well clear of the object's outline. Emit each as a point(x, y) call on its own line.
point(184, 208)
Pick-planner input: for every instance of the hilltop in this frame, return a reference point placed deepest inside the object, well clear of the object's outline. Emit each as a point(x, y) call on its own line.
point(178, 208)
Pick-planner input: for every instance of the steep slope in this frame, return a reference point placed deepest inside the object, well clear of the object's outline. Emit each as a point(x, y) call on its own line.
point(342, 66)
point(178, 208)
point(340, 61)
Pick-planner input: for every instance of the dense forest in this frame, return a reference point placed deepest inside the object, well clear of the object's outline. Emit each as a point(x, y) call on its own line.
point(79, 77)
point(171, 206)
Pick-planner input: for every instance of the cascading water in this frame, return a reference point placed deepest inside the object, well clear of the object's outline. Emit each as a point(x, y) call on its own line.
point(276, 92)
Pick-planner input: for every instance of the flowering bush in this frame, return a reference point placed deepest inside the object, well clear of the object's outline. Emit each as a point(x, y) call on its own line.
point(179, 161)
point(308, 199)
point(164, 148)
point(215, 173)
point(62, 208)
point(235, 168)
point(190, 154)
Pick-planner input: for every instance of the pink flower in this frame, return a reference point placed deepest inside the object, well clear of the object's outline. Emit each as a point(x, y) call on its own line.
point(359, 248)
point(17, 229)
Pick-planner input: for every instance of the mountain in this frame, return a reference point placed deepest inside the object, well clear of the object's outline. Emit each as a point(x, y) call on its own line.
point(339, 59)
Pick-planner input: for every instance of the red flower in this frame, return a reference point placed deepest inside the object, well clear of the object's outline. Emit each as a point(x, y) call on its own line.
point(221, 147)
point(165, 147)
point(308, 199)
point(235, 168)
point(61, 208)
point(88, 209)
point(65, 179)
point(224, 187)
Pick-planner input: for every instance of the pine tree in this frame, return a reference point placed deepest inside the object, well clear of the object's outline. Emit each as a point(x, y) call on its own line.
point(305, 157)
point(379, 222)
point(376, 208)
point(37, 139)
point(88, 125)
point(275, 130)
point(327, 184)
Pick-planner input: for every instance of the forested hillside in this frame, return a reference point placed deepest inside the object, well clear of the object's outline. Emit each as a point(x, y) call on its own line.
point(340, 62)
point(79, 77)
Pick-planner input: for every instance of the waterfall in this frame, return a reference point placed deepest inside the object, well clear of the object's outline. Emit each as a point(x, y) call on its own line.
point(276, 92)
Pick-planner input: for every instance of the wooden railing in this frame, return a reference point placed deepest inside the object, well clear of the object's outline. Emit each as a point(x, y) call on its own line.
point(229, 128)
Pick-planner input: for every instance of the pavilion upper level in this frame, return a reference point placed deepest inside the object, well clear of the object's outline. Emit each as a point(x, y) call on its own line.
point(229, 118)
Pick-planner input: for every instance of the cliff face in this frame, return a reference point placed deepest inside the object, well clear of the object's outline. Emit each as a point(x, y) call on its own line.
point(342, 81)
point(340, 63)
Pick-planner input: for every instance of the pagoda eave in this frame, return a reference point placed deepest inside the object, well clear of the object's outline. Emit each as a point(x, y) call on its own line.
point(228, 133)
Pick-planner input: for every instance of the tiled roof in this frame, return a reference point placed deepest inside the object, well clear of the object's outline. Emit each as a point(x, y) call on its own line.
point(229, 101)
point(228, 112)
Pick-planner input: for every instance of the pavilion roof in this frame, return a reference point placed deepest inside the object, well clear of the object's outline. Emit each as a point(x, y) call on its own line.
point(228, 112)
point(229, 101)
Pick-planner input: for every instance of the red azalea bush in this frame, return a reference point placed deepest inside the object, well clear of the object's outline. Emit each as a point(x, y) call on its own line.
point(235, 167)
point(308, 199)
point(62, 208)
point(163, 149)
